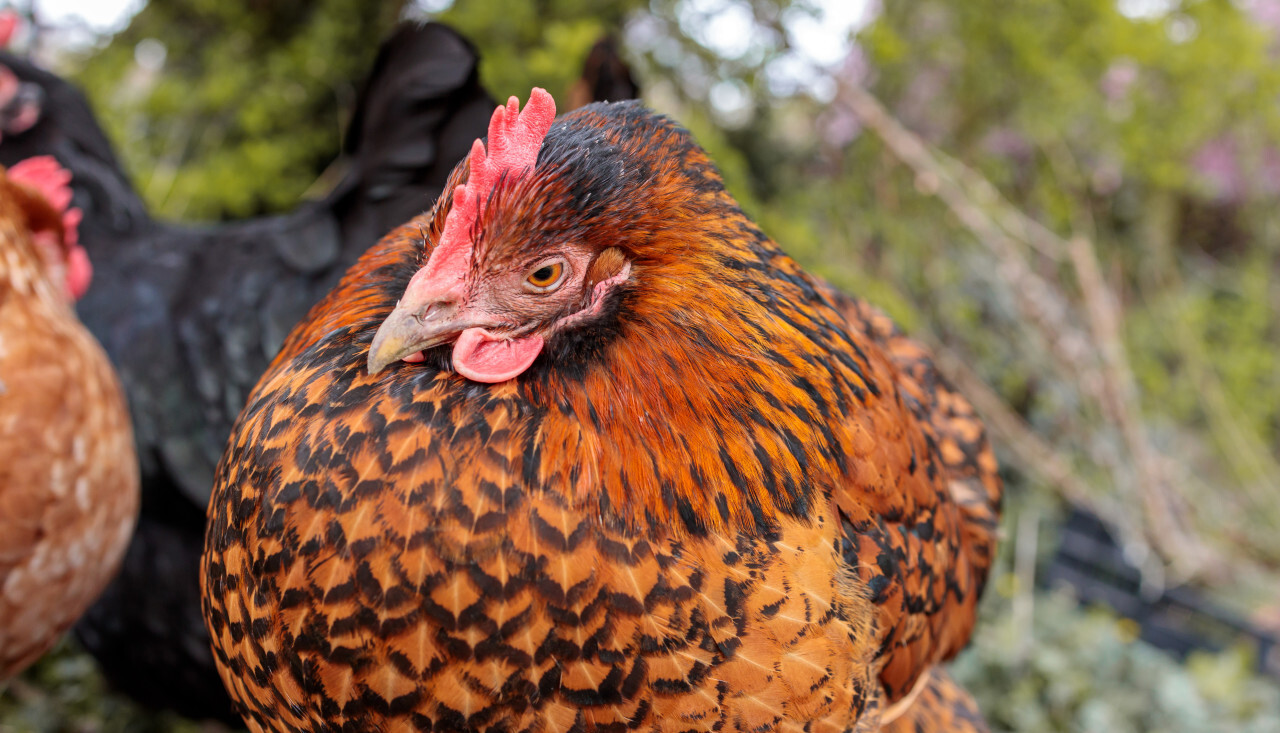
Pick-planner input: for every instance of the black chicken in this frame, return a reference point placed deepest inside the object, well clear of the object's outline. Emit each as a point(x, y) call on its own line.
point(605, 76)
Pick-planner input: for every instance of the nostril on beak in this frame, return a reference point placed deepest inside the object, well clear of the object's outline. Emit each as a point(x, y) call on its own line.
point(436, 311)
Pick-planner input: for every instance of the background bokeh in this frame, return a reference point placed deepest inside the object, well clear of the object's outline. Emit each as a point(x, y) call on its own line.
point(1076, 204)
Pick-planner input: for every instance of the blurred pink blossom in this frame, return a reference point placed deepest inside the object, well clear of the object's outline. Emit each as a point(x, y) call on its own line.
point(1219, 169)
point(1269, 172)
point(1231, 177)
point(1118, 79)
point(838, 126)
point(1007, 142)
point(1265, 12)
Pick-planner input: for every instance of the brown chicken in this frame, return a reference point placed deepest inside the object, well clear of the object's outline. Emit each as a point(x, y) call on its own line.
point(68, 473)
point(582, 449)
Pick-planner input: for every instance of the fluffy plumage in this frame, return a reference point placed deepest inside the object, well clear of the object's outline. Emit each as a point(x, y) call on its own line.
point(68, 473)
point(727, 498)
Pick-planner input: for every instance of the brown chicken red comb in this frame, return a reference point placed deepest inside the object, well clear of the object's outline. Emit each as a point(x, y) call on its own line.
point(43, 173)
point(515, 137)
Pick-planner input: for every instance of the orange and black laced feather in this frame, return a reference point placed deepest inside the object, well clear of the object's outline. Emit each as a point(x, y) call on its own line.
point(941, 705)
point(960, 453)
point(729, 503)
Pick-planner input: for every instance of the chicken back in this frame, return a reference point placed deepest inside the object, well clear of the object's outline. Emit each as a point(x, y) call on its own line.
point(68, 473)
point(718, 496)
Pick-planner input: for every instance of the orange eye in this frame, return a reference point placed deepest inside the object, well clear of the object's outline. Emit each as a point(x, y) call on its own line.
point(545, 277)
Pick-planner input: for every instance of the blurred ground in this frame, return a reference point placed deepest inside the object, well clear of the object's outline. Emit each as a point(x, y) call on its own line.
point(1074, 203)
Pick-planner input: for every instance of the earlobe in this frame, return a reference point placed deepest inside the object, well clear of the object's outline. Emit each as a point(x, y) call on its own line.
point(482, 357)
point(79, 272)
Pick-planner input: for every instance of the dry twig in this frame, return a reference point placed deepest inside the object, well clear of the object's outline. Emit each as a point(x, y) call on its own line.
point(1093, 356)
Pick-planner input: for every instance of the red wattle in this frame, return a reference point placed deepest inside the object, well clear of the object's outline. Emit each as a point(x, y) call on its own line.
point(79, 272)
point(482, 357)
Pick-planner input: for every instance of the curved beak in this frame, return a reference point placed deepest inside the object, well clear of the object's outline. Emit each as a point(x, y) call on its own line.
point(411, 328)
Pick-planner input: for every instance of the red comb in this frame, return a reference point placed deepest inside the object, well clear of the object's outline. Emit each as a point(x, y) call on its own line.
point(44, 174)
point(515, 137)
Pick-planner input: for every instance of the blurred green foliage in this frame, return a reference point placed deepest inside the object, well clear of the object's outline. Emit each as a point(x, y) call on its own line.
point(1085, 672)
point(63, 693)
point(1039, 662)
point(231, 108)
point(1154, 136)
point(527, 44)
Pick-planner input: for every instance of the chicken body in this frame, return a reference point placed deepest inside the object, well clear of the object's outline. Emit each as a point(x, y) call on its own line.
point(68, 473)
point(724, 497)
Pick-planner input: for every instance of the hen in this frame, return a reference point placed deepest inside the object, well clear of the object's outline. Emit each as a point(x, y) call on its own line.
point(68, 473)
point(582, 449)
point(191, 316)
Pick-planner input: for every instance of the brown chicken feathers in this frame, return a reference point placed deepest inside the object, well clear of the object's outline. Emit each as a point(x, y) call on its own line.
point(719, 496)
point(68, 473)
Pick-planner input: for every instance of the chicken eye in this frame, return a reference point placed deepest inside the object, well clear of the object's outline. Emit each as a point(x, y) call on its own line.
point(545, 278)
